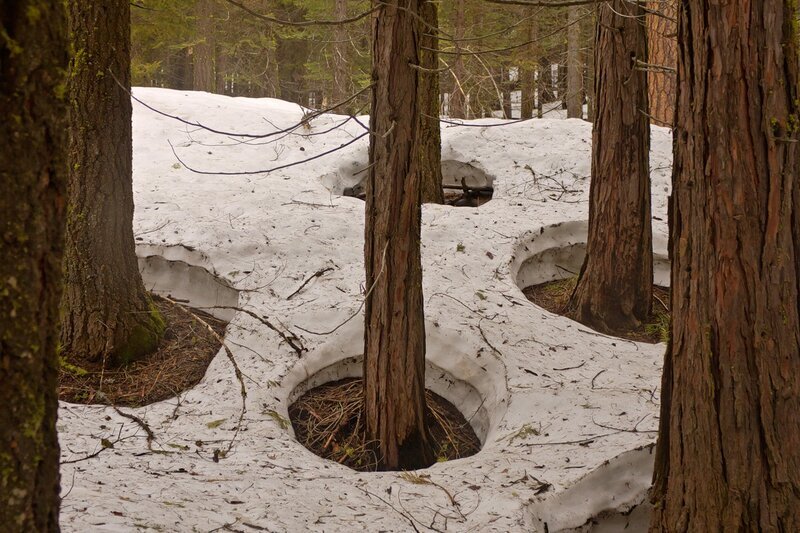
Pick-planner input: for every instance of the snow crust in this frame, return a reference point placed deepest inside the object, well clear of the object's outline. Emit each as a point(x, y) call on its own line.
point(560, 408)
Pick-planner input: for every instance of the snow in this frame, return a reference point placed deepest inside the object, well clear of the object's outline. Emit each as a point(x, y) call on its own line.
point(546, 392)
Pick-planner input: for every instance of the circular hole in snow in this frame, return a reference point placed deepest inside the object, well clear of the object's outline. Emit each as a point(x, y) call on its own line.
point(465, 184)
point(476, 387)
point(556, 253)
point(326, 411)
point(189, 299)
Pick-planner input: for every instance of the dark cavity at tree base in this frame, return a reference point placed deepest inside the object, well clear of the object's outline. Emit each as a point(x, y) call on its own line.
point(554, 296)
point(179, 363)
point(329, 421)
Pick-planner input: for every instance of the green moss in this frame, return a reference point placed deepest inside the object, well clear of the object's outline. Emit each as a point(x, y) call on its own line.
point(143, 340)
point(34, 14)
point(68, 367)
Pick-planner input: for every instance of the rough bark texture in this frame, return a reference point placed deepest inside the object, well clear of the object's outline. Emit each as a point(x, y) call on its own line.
point(662, 47)
point(458, 98)
point(527, 75)
point(106, 313)
point(430, 137)
point(728, 457)
point(203, 51)
point(33, 176)
point(394, 351)
point(615, 284)
point(574, 65)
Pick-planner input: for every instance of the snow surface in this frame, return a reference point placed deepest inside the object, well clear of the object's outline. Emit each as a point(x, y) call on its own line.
point(551, 391)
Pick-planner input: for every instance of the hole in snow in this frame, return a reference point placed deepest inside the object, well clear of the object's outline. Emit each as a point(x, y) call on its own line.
point(188, 284)
point(556, 252)
point(439, 381)
point(465, 184)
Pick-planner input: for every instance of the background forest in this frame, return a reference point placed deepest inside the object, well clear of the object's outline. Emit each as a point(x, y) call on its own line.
point(498, 57)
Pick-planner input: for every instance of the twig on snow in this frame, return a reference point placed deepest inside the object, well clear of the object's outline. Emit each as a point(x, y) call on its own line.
point(316, 274)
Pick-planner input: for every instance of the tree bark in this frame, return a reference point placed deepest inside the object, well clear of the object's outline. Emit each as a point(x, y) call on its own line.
point(662, 45)
point(728, 455)
point(106, 313)
point(33, 176)
point(394, 342)
point(574, 65)
point(203, 51)
point(527, 76)
point(614, 288)
point(430, 138)
point(458, 104)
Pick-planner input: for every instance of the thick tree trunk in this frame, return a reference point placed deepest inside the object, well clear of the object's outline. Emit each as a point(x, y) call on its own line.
point(430, 138)
point(342, 86)
point(106, 313)
point(203, 51)
point(394, 343)
point(728, 457)
point(33, 177)
point(574, 65)
point(458, 104)
point(614, 289)
point(662, 48)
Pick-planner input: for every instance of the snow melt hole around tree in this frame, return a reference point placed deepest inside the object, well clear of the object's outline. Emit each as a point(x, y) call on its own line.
point(349, 179)
point(557, 252)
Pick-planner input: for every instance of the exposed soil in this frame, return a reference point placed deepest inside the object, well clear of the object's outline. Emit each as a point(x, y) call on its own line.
point(328, 421)
point(554, 296)
point(180, 362)
point(453, 197)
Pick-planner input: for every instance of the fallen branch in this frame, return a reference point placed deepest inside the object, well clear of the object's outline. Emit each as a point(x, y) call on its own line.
point(316, 274)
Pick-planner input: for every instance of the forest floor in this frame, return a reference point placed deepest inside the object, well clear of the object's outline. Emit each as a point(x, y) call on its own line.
point(555, 295)
point(566, 416)
point(180, 362)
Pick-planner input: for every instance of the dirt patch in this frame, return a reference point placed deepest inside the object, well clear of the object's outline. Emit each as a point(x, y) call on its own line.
point(328, 420)
point(180, 362)
point(554, 296)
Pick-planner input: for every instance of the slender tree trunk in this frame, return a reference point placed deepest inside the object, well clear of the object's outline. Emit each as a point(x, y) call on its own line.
point(342, 87)
point(33, 176)
point(220, 71)
point(528, 72)
point(106, 313)
point(203, 51)
point(394, 343)
point(574, 65)
point(430, 138)
point(728, 455)
point(590, 82)
point(458, 108)
point(614, 288)
point(505, 86)
point(662, 46)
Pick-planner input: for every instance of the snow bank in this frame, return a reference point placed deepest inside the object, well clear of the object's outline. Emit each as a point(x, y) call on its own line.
point(558, 401)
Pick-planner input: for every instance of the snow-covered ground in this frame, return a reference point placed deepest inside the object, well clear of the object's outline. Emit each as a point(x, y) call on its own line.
point(555, 401)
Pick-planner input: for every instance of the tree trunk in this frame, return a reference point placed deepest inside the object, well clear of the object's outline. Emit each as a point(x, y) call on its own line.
point(505, 86)
point(203, 51)
point(614, 289)
point(574, 65)
point(33, 176)
point(394, 343)
point(728, 455)
point(662, 45)
point(342, 86)
point(458, 107)
point(589, 84)
point(528, 72)
point(106, 313)
point(430, 138)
